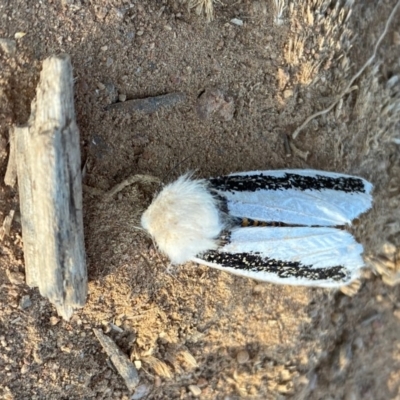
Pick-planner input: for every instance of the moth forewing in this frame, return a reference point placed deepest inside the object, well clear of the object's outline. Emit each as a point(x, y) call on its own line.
point(199, 220)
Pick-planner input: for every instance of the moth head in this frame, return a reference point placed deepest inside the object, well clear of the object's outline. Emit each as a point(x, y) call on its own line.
point(184, 219)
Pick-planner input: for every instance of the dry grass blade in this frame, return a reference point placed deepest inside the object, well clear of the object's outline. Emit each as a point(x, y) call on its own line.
point(356, 76)
point(201, 6)
point(280, 7)
point(130, 181)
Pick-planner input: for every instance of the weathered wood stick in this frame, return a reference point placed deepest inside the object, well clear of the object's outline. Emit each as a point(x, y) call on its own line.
point(49, 180)
point(149, 105)
point(121, 362)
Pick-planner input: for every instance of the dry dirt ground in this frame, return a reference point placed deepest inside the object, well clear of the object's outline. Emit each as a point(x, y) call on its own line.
point(194, 331)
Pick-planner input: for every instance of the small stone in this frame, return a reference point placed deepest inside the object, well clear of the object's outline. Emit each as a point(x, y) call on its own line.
point(139, 32)
point(196, 391)
point(149, 105)
point(25, 302)
point(65, 349)
point(111, 91)
point(103, 48)
point(19, 35)
point(287, 93)
point(101, 86)
point(220, 45)
point(237, 21)
point(359, 343)
point(24, 369)
point(215, 102)
point(54, 320)
point(138, 364)
point(242, 357)
point(116, 328)
point(122, 97)
point(8, 46)
point(285, 375)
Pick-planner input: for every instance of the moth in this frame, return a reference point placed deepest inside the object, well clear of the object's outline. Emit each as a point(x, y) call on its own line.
point(283, 226)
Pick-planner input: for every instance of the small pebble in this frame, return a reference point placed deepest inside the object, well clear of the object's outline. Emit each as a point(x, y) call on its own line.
point(285, 375)
point(358, 343)
point(122, 97)
point(101, 86)
point(139, 33)
point(215, 101)
point(242, 357)
point(24, 369)
point(237, 21)
point(196, 391)
point(104, 48)
point(287, 93)
point(19, 35)
point(25, 302)
point(54, 320)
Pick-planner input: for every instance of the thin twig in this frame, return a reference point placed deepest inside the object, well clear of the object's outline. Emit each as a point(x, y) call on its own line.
point(357, 75)
point(131, 180)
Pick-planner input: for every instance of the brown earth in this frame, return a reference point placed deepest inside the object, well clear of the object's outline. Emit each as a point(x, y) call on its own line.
point(197, 331)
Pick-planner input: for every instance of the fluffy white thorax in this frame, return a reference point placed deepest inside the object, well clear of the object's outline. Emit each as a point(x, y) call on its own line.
point(184, 219)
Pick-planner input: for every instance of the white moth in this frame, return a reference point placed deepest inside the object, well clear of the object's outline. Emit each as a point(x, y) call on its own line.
point(275, 226)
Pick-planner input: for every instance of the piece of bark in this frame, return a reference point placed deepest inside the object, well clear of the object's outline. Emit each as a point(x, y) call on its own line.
point(49, 180)
point(121, 362)
point(149, 105)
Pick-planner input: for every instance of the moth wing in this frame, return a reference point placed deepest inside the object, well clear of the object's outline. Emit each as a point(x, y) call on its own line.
point(323, 257)
point(297, 197)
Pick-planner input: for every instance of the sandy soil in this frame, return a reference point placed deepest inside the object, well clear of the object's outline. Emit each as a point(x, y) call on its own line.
point(194, 331)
